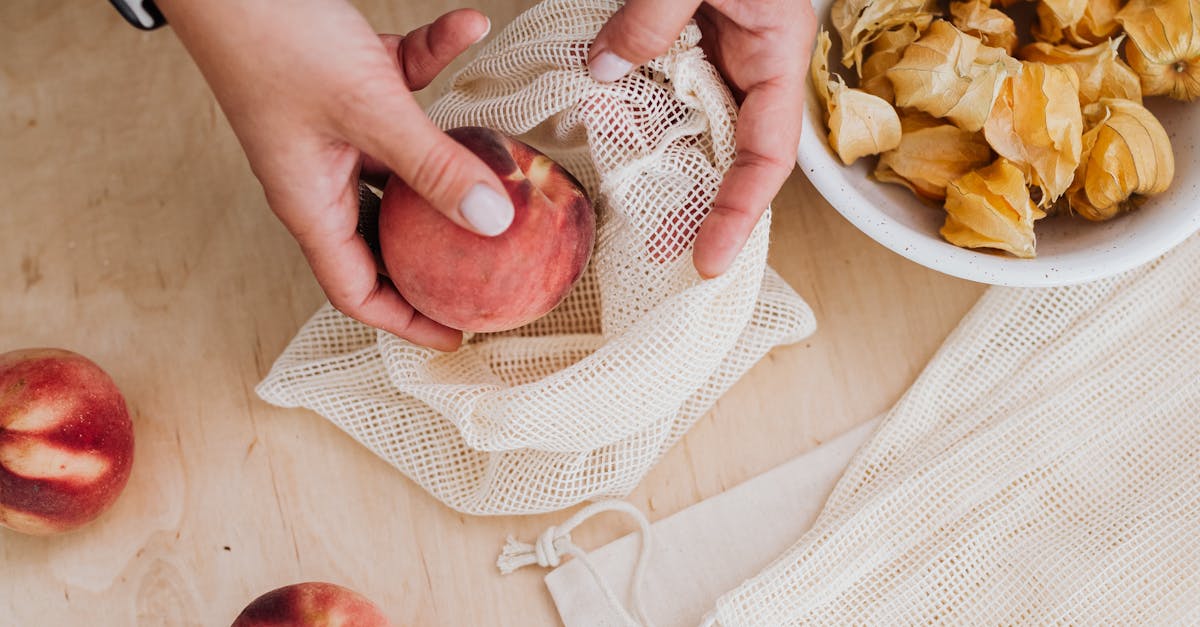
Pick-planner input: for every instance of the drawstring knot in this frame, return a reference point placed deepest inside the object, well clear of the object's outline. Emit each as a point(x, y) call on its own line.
point(555, 542)
point(547, 551)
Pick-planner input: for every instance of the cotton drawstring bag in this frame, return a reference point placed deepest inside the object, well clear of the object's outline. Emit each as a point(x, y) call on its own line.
point(581, 403)
point(1043, 469)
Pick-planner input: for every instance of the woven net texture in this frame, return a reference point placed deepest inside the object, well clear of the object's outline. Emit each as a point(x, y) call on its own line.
point(580, 404)
point(1044, 469)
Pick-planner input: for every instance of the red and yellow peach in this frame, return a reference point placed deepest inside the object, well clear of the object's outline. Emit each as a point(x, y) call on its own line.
point(312, 604)
point(66, 441)
point(487, 284)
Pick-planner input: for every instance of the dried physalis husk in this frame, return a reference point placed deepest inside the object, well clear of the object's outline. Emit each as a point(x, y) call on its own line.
point(1055, 16)
point(1037, 124)
point(874, 75)
point(931, 154)
point(886, 52)
point(1098, 24)
point(860, 22)
point(1126, 151)
point(859, 124)
point(991, 208)
point(949, 74)
point(1078, 22)
point(977, 17)
point(1164, 45)
point(818, 71)
point(1101, 72)
point(900, 37)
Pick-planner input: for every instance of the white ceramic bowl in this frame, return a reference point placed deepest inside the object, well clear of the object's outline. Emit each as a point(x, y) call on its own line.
point(1069, 249)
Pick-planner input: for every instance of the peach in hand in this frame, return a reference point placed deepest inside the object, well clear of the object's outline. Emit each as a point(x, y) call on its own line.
point(312, 604)
point(66, 441)
point(487, 284)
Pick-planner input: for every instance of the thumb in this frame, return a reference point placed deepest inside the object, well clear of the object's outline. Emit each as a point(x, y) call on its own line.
point(391, 127)
point(638, 32)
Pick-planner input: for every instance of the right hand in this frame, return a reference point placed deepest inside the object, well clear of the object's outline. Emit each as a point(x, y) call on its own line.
point(762, 48)
point(316, 98)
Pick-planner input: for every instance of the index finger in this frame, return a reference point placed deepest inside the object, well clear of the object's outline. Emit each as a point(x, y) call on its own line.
point(768, 133)
point(345, 268)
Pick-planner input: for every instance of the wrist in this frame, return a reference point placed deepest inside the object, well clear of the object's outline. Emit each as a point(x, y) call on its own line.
point(168, 7)
point(214, 32)
point(182, 13)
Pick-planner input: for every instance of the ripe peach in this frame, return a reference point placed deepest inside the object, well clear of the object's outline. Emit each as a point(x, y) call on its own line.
point(487, 284)
point(311, 604)
point(66, 441)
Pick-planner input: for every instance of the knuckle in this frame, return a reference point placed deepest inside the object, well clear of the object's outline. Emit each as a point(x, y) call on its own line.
point(644, 41)
point(350, 303)
point(437, 172)
point(418, 66)
point(340, 302)
point(736, 211)
point(347, 296)
point(344, 298)
point(403, 321)
point(764, 161)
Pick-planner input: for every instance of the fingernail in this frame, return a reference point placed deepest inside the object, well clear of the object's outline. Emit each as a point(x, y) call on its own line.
point(486, 210)
point(485, 31)
point(608, 67)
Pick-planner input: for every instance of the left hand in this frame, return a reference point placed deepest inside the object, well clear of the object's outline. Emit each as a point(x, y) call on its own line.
point(317, 100)
point(762, 48)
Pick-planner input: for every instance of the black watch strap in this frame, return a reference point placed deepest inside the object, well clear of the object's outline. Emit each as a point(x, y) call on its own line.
point(141, 13)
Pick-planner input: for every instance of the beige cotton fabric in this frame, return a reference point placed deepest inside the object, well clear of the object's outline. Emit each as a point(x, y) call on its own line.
point(1044, 469)
point(706, 550)
point(580, 404)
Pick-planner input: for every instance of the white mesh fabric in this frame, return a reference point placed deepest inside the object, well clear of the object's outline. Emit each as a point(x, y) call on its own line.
point(1044, 469)
point(580, 404)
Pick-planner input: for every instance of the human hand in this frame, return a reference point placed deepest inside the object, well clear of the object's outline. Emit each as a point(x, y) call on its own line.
point(762, 48)
point(316, 98)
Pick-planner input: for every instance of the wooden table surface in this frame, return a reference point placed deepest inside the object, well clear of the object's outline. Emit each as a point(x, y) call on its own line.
point(132, 231)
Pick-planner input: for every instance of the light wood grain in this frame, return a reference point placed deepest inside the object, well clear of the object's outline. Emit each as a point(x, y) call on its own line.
point(132, 231)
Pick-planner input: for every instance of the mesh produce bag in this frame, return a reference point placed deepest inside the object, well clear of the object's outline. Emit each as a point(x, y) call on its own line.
point(581, 403)
point(1044, 469)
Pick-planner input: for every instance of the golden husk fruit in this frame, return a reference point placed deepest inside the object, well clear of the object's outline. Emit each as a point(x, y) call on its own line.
point(886, 52)
point(979, 19)
point(1056, 15)
point(1164, 45)
point(1099, 23)
point(860, 22)
point(1078, 22)
point(930, 155)
point(900, 37)
point(859, 124)
point(1101, 72)
point(991, 208)
point(1038, 125)
point(952, 75)
point(1126, 151)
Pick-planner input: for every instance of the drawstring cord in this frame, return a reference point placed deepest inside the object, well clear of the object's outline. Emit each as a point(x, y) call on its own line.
point(555, 542)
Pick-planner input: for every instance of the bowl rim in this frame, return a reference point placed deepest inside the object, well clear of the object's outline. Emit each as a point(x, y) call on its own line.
point(823, 169)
